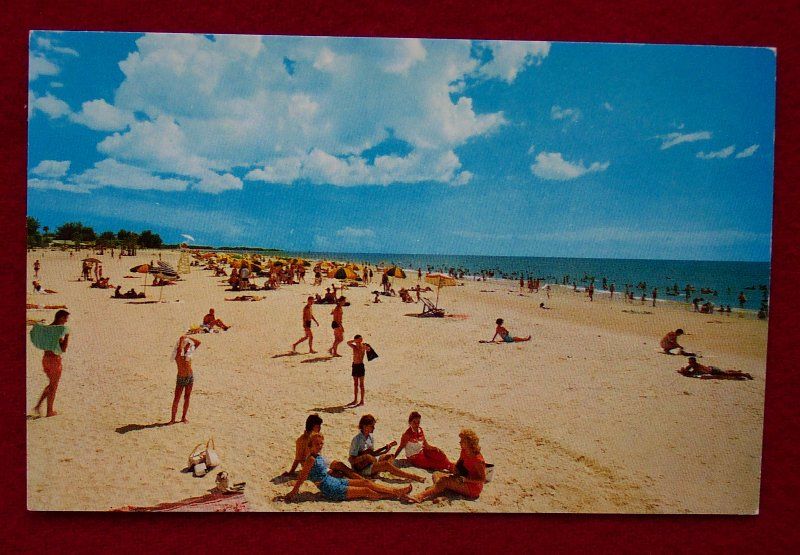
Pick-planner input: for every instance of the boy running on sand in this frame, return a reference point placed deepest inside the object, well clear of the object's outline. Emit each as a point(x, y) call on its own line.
point(338, 329)
point(359, 349)
point(185, 380)
point(308, 316)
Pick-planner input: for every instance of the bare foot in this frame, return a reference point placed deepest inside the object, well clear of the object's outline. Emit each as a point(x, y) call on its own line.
point(336, 354)
point(361, 404)
point(312, 351)
point(407, 498)
point(406, 490)
point(185, 420)
point(172, 421)
point(54, 413)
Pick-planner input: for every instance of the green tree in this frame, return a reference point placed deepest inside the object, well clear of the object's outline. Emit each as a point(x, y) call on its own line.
point(150, 240)
point(75, 231)
point(34, 238)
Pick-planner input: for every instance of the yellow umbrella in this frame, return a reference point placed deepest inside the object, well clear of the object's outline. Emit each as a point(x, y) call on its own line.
point(343, 273)
point(394, 271)
point(440, 280)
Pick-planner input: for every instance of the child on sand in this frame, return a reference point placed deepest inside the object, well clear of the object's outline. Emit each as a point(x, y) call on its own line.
point(51, 361)
point(359, 350)
point(469, 473)
point(185, 380)
point(696, 370)
point(338, 329)
point(505, 335)
point(419, 452)
point(308, 316)
point(368, 461)
point(316, 469)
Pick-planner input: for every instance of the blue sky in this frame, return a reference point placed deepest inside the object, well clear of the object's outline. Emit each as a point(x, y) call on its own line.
point(417, 146)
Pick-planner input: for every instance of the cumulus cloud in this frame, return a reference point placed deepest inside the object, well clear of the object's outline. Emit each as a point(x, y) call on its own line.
point(39, 65)
point(749, 151)
point(552, 166)
point(102, 116)
point(55, 184)
point(509, 58)
point(48, 44)
point(110, 173)
point(355, 232)
point(569, 114)
point(671, 139)
point(723, 153)
point(51, 105)
point(51, 168)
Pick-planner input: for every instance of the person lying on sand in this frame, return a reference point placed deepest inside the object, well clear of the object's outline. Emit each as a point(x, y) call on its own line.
point(696, 370)
point(245, 298)
point(316, 469)
point(670, 342)
point(210, 320)
point(504, 335)
point(101, 283)
point(377, 298)
point(468, 475)
point(419, 452)
point(541, 305)
point(368, 461)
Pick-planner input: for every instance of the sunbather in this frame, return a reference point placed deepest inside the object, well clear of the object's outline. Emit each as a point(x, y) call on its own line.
point(696, 370)
point(418, 451)
point(316, 469)
point(504, 335)
point(368, 461)
point(210, 321)
point(469, 473)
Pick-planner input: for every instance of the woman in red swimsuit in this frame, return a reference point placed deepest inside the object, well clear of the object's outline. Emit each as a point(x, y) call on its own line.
point(469, 473)
point(419, 452)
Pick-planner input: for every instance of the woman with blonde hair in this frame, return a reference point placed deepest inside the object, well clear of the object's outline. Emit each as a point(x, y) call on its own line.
point(469, 473)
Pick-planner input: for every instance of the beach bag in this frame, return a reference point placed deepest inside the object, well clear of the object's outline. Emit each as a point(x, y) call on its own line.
point(211, 457)
point(489, 472)
point(371, 354)
point(197, 456)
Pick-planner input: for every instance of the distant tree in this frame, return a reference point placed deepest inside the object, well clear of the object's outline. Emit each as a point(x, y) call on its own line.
point(75, 231)
point(150, 240)
point(34, 238)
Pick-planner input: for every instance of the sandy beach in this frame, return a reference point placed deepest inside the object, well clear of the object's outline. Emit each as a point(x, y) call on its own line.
point(586, 417)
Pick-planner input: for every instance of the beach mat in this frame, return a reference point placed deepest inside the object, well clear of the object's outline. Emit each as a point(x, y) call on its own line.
point(209, 503)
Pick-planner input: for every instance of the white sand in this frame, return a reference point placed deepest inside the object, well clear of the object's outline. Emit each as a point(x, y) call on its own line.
point(586, 417)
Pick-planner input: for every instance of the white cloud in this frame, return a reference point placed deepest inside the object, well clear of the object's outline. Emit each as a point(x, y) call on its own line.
point(56, 84)
point(47, 44)
point(187, 237)
point(723, 153)
point(39, 65)
point(55, 184)
point(607, 106)
point(102, 116)
point(552, 166)
point(570, 114)
point(749, 151)
point(406, 52)
point(355, 232)
point(53, 106)
point(212, 182)
point(51, 168)
point(511, 57)
point(110, 173)
point(671, 139)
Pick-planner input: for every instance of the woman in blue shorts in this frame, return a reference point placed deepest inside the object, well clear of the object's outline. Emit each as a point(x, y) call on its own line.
point(316, 469)
point(505, 335)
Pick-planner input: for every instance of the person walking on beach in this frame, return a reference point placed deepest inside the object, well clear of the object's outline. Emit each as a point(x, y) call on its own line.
point(611, 290)
point(338, 329)
point(359, 370)
point(185, 380)
point(505, 336)
point(36, 267)
point(591, 291)
point(51, 361)
point(308, 316)
point(655, 294)
point(419, 274)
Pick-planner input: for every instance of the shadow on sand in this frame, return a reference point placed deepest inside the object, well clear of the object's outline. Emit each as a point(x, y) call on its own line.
point(137, 427)
point(337, 409)
point(318, 359)
point(289, 354)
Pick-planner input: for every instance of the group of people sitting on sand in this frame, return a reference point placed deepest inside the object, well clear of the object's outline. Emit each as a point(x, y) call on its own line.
point(338, 481)
point(102, 283)
point(130, 294)
point(694, 369)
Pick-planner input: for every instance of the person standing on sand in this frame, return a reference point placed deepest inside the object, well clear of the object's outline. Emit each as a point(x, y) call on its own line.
point(338, 329)
point(611, 290)
point(185, 380)
point(51, 363)
point(655, 294)
point(36, 267)
point(591, 291)
point(308, 316)
point(359, 370)
point(742, 299)
point(419, 274)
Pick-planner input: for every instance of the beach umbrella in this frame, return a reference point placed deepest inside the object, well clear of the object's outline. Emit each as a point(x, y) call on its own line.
point(394, 271)
point(440, 280)
point(92, 260)
point(142, 269)
point(344, 273)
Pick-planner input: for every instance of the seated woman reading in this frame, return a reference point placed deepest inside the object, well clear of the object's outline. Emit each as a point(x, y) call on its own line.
point(469, 472)
point(317, 469)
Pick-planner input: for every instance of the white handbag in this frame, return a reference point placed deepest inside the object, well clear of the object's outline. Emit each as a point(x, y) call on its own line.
point(211, 457)
point(200, 469)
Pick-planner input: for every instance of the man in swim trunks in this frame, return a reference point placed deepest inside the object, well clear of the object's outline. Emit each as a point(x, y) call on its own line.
point(185, 380)
point(338, 329)
point(670, 341)
point(51, 364)
point(308, 317)
point(359, 349)
point(696, 370)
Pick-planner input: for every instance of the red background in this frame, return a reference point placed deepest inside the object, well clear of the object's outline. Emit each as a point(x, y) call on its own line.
point(712, 22)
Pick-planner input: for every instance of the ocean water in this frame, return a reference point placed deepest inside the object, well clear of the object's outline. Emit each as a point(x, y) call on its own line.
point(726, 278)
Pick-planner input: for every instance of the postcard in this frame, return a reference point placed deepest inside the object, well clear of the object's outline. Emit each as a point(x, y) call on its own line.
point(288, 273)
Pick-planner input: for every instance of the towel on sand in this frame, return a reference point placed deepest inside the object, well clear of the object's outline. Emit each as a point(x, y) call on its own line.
point(46, 337)
point(210, 503)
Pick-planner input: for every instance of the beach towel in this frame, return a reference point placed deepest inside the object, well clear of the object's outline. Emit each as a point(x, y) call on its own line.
point(210, 503)
point(46, 337)
point(371, 354)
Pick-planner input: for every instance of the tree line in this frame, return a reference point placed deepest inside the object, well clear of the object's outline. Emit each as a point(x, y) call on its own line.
point(79, 235)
